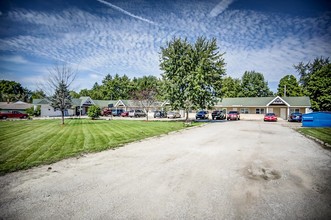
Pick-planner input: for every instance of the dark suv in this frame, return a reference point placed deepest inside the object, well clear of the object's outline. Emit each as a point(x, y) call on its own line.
point(218, 114)
point(233, 115)
point(296, 116)
point(117, 112)
point(202, 115)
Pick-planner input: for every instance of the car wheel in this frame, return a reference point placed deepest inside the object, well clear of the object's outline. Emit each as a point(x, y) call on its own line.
point(4, 117)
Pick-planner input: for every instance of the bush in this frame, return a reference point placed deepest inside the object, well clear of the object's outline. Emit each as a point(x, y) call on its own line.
point(94, 112)
point(32, 112)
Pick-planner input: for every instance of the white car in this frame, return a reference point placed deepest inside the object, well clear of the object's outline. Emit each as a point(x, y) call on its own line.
point(173, 115)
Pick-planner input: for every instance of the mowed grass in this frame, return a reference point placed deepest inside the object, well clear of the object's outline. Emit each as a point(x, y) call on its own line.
point(28, 143)
point(323, 134)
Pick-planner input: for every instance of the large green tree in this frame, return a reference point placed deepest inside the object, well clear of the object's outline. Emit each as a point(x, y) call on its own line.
point(13, 91)
point(192, 73)
point(315, 78)
point(254, 85)
point(289, 86)
point(117, 87)
point(230, 87)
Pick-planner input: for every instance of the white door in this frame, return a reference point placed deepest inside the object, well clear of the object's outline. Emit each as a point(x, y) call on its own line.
point(283, 113)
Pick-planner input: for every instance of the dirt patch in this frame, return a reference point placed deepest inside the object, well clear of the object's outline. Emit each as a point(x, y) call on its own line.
point(258, 170)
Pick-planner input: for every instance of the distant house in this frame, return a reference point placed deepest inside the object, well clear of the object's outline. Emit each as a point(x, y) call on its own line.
point(281, 106)
point(80, 106)
point(15, 106)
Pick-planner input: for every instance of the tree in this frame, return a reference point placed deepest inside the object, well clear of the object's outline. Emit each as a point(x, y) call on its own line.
point(74, 94)
point(253, 85)
point(94, 112)
point(315, 79)
point(290, 85)
point(192, 73)
point(116, 87)
point(230, 87)
point(60, 78)
point(146, 90)
point(38, 94)
point(13, 91)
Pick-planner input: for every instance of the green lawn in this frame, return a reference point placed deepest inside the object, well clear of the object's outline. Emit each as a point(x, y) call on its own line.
point(28, 143)
point(323, 134)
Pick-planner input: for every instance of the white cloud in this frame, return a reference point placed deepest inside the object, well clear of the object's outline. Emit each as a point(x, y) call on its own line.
point(126, 12)
point(14, 59)
point(98, 44)
point(220, 7)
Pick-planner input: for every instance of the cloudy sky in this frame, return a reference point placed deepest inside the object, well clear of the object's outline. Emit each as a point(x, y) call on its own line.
point(99, 37)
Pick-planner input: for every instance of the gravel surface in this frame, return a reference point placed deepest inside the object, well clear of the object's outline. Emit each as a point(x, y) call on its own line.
point(223, 170)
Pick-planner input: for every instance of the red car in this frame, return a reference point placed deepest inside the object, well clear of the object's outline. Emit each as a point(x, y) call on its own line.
point(233, 115)
point(13, 114)
point(125, 114)
point(270, 117)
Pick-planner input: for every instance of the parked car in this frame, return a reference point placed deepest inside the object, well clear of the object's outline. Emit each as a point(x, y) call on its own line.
point(13, 114)
point(270, 117)
point(296, 116)
point(137, 113)
point(202, 115)
point(218, 114)
point(233, 115)
point(173, 115)
point(106, 112)
point(117, 112)
point(160, 114)
point(125, 114)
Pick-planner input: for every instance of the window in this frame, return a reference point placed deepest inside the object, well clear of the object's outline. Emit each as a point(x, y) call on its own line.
point(259, 111)
point(244, 111)
point(294, 110)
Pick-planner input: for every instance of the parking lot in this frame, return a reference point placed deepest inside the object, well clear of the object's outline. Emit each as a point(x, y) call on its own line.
point(222, 170)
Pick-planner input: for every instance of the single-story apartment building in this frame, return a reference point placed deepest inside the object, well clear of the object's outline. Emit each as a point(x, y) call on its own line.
point(249, 107)
point(252, 107)
point(80, 106)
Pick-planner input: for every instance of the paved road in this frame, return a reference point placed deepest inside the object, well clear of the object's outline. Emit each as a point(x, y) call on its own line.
point(226, 170)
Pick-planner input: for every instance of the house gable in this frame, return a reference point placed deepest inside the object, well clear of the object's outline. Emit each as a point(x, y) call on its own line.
point(278, 101)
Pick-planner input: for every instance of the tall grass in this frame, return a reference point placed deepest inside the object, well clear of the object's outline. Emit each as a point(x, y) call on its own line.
point(24, 144)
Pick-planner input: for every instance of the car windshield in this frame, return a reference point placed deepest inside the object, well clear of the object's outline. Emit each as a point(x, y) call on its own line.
point(270, 114)
point(233, 112)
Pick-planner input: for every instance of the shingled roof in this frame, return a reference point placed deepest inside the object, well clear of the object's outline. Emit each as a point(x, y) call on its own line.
point(263, 101)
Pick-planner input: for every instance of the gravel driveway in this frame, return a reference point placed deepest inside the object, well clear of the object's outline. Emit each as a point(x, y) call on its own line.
point(223, 170)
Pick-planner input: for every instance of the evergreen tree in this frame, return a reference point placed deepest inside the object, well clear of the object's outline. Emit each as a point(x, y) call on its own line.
point(60, 79)
point(61, 100)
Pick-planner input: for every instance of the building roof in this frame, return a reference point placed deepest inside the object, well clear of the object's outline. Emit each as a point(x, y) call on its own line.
point(15, 105)
point(263, 101)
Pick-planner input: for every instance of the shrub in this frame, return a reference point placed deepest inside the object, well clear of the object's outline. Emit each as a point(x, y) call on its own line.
point(94, 112)
point(32, 112)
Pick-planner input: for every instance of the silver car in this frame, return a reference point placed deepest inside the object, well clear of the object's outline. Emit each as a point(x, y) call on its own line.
point(137, 113)
point(173, 115)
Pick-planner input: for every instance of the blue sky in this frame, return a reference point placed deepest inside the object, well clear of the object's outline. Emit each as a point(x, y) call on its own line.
point(99, 37)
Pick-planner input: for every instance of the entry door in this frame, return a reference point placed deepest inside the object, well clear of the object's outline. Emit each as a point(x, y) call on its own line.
point(283, 113)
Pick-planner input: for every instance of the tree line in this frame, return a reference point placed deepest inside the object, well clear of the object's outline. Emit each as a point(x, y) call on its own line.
point(194, 77)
